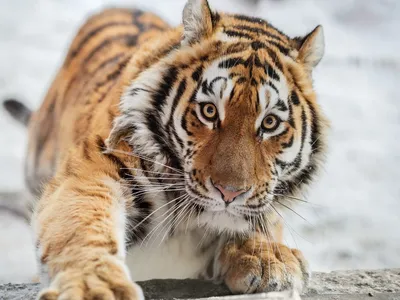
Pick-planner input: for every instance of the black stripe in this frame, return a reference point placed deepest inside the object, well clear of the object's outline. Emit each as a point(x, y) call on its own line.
point(295, 184)
point(142, 210)
point(258, 31)
point(215, 17)
point(257, 62)
point(290, 118)
point(205, 88)
point(162, 93)
point(231, 62)
point(179, 93)
point(257, 101)
point(89, 76)
point(133, 92)
point(153, 123)
point(271, 72)
point(281, 48)
point(239, 34)
point(273, 87)
point(171, 125)
point(257, 45)
point(196, 75)
point(295, 165)
point(106, 62)
point(232, 94)
point(114, 74)
point(241, 80)
point(257, 21)
point(131, 41)
point(281, 105)
point(148, 63)
point(140, 223)
point(236, 48)
point(315, 131)
point(275, 59)
point(285, 50)
point(250, 19)
point(294, 98)
point(143, 26)
point(90, 35)
point(250, 63)
point(110, 78)
point(193, 97)
point(124, 37)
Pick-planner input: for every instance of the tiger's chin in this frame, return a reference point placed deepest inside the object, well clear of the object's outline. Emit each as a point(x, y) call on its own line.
point(224, 221)
point(229, 219)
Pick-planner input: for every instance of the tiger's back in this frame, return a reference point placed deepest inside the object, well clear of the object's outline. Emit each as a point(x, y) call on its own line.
point(81, 89)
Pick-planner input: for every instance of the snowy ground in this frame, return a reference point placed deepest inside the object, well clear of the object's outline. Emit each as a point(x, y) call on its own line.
point(355, 217)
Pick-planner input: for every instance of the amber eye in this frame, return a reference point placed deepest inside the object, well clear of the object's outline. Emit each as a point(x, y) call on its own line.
point(270, 123)
point(209, 111)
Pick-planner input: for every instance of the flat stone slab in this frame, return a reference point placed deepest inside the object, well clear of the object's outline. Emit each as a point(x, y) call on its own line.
point(338, 285)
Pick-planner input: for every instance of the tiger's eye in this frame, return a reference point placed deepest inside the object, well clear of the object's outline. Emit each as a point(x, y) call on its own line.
point(209, 111)
point(270, 123)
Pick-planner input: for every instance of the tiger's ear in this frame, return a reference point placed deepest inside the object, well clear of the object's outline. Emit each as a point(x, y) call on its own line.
point(311, 48)
point(197, 20)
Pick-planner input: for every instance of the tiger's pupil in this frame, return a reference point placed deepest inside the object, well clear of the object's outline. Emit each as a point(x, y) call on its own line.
point(269, 120)
point(209, 111)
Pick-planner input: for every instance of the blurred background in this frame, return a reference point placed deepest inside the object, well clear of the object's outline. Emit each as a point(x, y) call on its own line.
point(353, 219)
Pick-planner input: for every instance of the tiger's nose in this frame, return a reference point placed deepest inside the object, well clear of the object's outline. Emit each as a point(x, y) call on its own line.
point(229, 193)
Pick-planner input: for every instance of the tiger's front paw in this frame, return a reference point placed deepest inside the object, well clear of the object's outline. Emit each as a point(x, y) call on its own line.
point(102, 279)
point(258, 266)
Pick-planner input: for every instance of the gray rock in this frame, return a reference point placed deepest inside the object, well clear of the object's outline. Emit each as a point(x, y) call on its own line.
point(338, 285)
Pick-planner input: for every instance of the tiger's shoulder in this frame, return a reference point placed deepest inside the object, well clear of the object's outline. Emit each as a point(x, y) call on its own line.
point(81, 103)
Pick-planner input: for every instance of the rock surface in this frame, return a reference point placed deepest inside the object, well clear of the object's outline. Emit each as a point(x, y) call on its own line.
point(339, 285)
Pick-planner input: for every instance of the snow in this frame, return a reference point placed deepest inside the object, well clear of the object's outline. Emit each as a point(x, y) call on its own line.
point(353, 217)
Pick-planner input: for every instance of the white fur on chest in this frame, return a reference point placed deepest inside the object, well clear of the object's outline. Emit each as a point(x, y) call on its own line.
point(178, 257)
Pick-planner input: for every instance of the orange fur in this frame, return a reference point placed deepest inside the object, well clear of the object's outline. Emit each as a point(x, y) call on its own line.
point(78, 159)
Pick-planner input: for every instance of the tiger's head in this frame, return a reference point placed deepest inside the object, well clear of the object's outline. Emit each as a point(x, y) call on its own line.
point(227, 100)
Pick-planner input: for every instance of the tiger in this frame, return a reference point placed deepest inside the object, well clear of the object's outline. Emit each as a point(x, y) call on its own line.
point(169, 152)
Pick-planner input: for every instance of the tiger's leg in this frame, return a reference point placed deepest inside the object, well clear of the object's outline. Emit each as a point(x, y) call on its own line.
point(257, 264)
point(80, 226)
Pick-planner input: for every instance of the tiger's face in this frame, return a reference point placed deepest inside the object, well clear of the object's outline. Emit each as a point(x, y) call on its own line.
point(234, 109)
point(239, 125)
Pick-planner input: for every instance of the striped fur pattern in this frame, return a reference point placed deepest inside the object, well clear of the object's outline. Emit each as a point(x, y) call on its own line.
point(159, 144)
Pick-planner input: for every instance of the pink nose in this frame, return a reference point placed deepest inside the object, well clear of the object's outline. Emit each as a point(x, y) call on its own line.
point(229, 193)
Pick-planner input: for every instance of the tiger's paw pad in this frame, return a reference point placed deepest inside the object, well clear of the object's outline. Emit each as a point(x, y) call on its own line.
point(272, 267)
point(102, 282)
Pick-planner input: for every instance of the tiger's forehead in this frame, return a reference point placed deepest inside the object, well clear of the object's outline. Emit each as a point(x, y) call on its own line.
point(258, 31)
point(242, 81)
